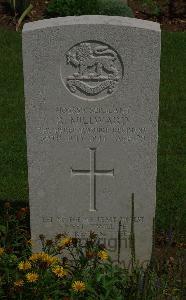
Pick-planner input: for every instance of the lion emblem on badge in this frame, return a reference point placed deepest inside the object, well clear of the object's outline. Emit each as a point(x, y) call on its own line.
point(100, 58)
point(96, 70)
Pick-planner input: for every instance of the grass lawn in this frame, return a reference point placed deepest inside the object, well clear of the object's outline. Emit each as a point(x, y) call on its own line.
point(171, 182)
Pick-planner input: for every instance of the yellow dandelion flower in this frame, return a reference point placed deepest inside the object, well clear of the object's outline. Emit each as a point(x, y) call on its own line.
point(2, 250)
point(24, 265)
point(38, 256)
point(103, 255)
point(59, 271)
point(19, 283)
point(53, 260)
point(66, 241)
point(34, 257)
point(32, 277)
point(50, 259)
point(44, 257)
point(78, 286)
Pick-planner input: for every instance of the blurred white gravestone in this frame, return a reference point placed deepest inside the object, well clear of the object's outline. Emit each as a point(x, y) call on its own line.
point(92, 93)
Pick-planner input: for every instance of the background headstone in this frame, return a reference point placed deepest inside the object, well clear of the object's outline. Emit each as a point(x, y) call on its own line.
point(92, 90)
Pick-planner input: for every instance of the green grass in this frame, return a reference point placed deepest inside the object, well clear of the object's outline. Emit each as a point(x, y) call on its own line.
point(13, 163)
point(171, 182)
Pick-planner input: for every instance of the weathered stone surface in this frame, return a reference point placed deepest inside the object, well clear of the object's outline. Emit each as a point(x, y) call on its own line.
point(92, 90)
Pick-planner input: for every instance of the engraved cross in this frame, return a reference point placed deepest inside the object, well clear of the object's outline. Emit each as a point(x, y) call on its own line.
point(92, 173)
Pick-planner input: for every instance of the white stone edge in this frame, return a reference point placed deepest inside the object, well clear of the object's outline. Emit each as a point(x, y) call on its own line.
point(91, 20)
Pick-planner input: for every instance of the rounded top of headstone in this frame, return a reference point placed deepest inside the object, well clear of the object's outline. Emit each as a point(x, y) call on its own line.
point(92, 19)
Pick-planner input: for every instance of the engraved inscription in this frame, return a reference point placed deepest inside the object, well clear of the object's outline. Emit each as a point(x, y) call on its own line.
point(101, 224)
point(94, 125)
point(94, 70)
point(105, 226)
point(92, 173)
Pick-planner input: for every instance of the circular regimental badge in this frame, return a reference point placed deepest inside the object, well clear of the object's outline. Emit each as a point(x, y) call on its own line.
point(92, 70)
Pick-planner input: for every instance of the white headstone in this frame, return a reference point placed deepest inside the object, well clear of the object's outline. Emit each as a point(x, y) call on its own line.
point(92, 92)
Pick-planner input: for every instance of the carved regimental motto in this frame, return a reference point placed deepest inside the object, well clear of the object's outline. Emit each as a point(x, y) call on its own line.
point(93, 70)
